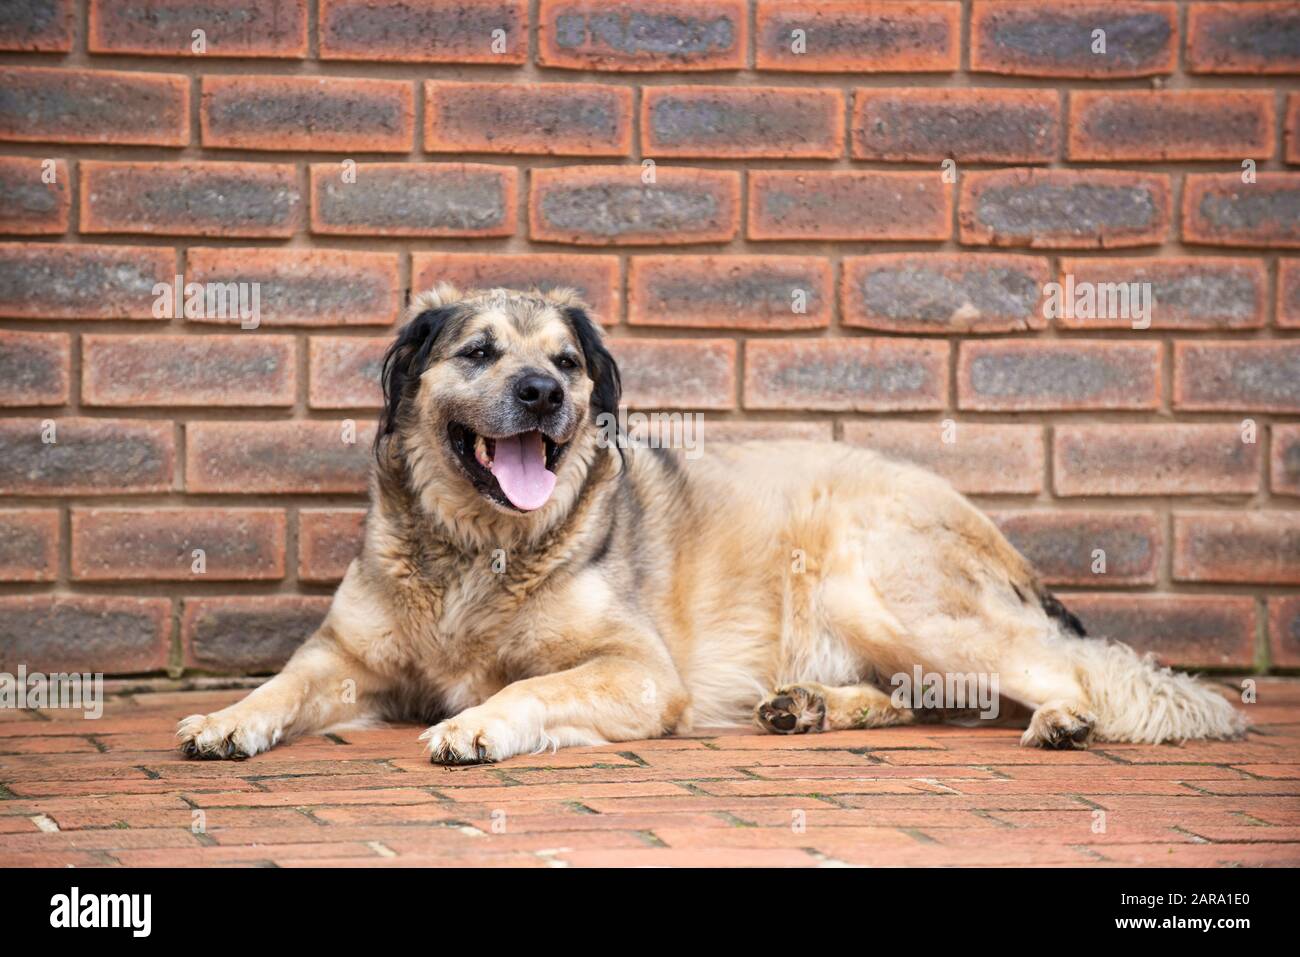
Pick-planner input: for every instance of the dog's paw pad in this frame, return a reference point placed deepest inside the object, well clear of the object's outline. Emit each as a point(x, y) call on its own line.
point(1059, 728)
point(795, 709)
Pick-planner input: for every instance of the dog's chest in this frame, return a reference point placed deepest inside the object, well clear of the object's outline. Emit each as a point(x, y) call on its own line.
point(461, 630)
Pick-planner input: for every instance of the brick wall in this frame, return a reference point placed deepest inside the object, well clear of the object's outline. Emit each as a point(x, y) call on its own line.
point(342, 152)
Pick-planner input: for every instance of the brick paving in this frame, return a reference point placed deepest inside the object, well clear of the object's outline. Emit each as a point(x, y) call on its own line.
point(113, 792)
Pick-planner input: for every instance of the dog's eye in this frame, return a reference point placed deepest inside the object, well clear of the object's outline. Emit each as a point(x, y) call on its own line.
point(567, 363)
point(477, 353)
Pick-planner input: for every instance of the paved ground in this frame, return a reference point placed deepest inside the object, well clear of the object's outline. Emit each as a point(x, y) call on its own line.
point(113, 792)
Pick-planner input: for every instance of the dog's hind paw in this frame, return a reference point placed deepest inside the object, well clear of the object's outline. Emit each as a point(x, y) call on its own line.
point(1060, 727)
point(794, 709)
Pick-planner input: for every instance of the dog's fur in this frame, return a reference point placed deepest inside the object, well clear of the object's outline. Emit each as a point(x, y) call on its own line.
point(783, 581)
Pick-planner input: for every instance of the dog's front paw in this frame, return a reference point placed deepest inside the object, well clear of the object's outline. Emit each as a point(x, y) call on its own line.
point(466, 739)
point(221, 736)
point(1061, 727)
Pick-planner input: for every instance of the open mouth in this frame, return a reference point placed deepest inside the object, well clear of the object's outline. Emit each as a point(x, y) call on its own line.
point(517, 471)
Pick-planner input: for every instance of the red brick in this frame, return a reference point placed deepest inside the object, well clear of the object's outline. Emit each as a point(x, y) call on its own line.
point(860, 37)
point(675, 35)
point(38, 26)
point(306, 287)
point(1064, 209)
point(1221, 210)
point(345, 372)
point(1163, 459)
point(978, 459)
point(1254, 38)
point(320, 114)
point(944, 292)
point(410, 199)
point(968, 125)
point(554, 119)
point(1062, 545)
point(1191, 292)
point(47, 281)
point(1152, 125)
point(181, 371)
point(686, 838)
point(233, 28)
point(34, 368)
point(1286, 460)
point(615, 205)
point(730, 292)
point(61, 105)
point(84, 633)
point(677, 373)
point(190, 199)
point(595, 278)
point(1288, 293)
point(1292, 131)
point(740, 122)
point(159, 544)
point(1284, 631)
point(851, 205)
point(28, 204)
point(278, 457)
point(1237, 376)
point(863, 375)
point(1203, 855)
point(759, 787)
point(87, 456)
point(425, 31)
point(1258, 546)
point(29, 544)
point(247, 634)
point(1018, 375)
point(1055, 38)
point(328, 540)
point(335, 852)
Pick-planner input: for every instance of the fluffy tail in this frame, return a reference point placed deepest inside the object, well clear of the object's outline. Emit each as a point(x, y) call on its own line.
point(1138, 701)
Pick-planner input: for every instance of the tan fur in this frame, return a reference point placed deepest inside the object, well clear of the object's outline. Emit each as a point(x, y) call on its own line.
point(654, 592)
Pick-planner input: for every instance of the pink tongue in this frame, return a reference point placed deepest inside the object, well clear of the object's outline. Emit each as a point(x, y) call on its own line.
point(519, 464)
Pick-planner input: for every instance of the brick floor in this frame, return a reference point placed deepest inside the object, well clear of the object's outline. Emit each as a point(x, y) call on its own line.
point(114, 792)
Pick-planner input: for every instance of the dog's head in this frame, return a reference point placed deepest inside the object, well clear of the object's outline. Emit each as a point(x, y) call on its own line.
point(490, 393)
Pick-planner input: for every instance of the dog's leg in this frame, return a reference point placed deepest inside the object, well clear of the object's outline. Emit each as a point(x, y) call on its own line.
point(322, 685)
point(1015, 644)
point(1035, 671)
point(606, 699)
point(1032, 667)
point(809, 706)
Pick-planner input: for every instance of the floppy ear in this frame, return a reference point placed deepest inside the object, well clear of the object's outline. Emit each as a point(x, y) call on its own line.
point(405, 361)
point(607, 386)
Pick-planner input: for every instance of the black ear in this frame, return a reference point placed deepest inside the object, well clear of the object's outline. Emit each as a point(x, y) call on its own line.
point(607, 386)
point(404, 363)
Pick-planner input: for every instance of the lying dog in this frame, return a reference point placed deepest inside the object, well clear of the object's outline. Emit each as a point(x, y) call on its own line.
point(526, 585)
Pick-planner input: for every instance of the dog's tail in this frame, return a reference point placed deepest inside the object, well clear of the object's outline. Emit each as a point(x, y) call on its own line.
point(1136, 700)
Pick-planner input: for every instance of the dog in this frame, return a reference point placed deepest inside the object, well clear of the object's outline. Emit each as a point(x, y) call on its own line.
point(527, 584)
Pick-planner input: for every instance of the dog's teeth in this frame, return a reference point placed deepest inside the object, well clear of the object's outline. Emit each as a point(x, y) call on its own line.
point(481, 452)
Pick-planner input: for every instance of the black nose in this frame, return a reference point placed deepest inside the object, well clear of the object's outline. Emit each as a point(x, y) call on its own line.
point(539, 393)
